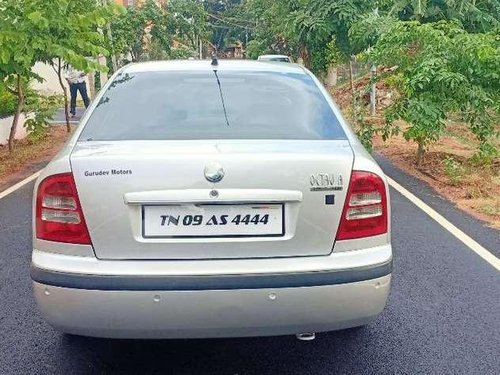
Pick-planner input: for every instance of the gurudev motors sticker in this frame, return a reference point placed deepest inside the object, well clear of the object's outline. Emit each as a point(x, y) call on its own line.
point(107, 172)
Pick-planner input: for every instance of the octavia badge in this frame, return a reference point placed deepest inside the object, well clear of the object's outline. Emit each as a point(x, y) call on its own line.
point(326, 181)
point(214, 172)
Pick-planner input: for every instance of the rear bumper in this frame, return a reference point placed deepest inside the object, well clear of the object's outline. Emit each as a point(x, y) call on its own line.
point(211, 313)
point(163, 299)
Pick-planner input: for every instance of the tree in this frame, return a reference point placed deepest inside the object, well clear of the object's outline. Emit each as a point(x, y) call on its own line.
point(268, 34)
point(229, 21)
point(69, 33)
point(445, 52)
point(150, 31)
point(441, 69)
point(307, 25)
point(188, 23)
point(55, 32)
point(18, 53)
point(473, 15)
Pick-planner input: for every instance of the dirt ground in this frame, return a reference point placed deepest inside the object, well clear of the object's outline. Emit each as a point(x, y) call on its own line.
point(28, 156)
point(475, 189)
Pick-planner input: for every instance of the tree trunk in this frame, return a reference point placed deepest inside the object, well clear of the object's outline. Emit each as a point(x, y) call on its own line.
point(420, 153)
point(373, 91)
point(134, 55)
point(114, 62)
point(65, 94)
point(305, 56)
point(91, 78)
point(353, 93)
point(19, 109)
point(331, 76)
point(351, 75)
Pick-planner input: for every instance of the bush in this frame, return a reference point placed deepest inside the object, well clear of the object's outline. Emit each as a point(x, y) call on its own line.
point(42, 110)
point(453, 170)
point(8, 102)
point(365, 135)
point(181, 52)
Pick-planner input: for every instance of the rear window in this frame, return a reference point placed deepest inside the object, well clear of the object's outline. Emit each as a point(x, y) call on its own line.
point(187, 105)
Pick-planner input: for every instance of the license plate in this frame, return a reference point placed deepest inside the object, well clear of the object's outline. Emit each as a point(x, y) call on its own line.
point(213, 220)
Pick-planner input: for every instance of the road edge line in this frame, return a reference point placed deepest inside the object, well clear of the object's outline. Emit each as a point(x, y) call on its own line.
point(19, 185)
point(441, 220)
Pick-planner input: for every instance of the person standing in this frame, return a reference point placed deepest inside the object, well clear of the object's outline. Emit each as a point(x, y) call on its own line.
point(76, 81)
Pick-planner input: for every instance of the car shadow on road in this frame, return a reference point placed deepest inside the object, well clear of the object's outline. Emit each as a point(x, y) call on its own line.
point(331, 351)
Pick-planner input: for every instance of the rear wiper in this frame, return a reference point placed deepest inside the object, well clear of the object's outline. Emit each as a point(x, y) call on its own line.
point(214, 63)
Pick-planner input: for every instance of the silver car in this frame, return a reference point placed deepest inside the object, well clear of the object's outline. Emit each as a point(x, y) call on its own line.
point(211, 200)
point(275, 58)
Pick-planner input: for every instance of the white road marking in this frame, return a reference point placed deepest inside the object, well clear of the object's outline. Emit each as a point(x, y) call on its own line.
point(469, 242)
point(19, 185)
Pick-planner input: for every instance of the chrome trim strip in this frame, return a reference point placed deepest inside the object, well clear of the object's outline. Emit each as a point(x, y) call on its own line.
point(219, 282)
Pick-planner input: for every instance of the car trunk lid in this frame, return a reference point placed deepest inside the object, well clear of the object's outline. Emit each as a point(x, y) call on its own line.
point(126, 187)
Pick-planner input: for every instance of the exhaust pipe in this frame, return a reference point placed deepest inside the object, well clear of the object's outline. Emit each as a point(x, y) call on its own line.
point(306, 336)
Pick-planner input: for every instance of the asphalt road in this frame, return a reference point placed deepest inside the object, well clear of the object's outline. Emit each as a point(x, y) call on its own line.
point(443, 315)
point(60, 118)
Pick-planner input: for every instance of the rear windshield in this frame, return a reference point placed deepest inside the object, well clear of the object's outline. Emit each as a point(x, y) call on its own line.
point(187, 105)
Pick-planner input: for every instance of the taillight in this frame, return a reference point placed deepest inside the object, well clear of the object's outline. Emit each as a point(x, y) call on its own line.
point(365, 208)
point(59, 215)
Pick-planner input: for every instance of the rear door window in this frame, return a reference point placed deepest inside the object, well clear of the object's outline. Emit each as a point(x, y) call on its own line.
point(187, 105)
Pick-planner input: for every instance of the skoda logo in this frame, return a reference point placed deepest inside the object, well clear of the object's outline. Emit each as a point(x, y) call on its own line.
point(214, 172)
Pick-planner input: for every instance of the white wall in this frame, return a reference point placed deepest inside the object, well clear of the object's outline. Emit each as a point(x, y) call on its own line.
point(50, 84)
point(5, 125)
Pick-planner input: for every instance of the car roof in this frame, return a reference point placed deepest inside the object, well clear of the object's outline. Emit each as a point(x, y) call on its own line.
point(274, 56)
point(224, 65)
